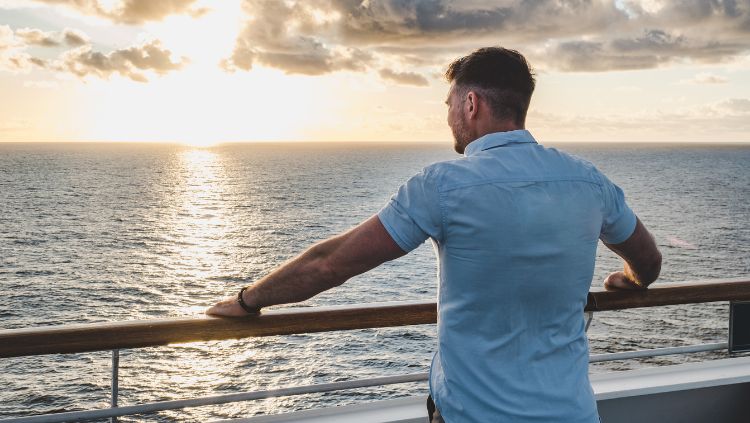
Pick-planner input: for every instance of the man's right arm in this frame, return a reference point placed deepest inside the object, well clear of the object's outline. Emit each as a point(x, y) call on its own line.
point(642, 261)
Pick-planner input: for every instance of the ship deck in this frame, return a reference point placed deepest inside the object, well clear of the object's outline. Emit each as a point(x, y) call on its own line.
point(711, 391)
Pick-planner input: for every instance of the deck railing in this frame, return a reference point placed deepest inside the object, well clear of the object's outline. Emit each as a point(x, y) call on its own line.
point(149, 333)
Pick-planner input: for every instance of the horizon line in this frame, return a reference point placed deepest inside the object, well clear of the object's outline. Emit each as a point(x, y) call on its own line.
point(446, 142)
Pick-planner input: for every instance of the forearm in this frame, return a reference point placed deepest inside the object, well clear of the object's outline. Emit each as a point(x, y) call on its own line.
point(296, 280)
point(643, 275)
point(324, 266)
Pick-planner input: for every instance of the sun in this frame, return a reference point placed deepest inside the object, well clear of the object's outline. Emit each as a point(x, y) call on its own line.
point(199, 142)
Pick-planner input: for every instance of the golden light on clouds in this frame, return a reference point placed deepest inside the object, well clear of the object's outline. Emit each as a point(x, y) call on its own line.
point(203, 72)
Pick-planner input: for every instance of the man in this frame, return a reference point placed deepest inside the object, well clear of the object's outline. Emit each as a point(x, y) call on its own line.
point(516, 227)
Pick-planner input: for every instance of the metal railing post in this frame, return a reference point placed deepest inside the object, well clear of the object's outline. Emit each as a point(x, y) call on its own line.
point(115, 381)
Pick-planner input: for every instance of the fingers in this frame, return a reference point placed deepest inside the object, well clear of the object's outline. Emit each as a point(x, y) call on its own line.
point(617, 281)
point(228, 307)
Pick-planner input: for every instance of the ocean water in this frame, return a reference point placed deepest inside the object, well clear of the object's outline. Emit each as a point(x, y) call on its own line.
point(110, 232)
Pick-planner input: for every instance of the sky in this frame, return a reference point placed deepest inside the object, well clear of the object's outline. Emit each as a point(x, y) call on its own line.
point(205, 72)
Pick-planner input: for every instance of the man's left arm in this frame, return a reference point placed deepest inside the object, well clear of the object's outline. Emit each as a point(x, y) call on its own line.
point(323, 266)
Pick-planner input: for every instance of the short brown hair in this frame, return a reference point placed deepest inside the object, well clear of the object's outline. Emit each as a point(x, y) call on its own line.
point(500, 75)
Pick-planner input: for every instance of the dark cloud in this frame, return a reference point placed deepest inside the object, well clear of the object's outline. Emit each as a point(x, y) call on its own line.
point(574, 35)
point(704, 31)
point(130, 62)
point(596, 57)
point(133, 12)
point(701, 11)
point(408, 78)
point(652, 49)
point(431, 21)
point(271, 39)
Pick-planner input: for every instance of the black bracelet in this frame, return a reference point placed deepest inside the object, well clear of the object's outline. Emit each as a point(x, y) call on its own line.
point(244, 305)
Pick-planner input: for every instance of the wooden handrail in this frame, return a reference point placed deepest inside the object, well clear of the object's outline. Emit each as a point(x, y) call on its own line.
point(149, 333)
point(670, 294)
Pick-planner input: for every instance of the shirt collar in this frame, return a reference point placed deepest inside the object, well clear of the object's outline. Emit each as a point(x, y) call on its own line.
point(498, 139)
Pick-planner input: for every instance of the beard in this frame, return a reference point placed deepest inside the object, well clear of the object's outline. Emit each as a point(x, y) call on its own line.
point(461, 135)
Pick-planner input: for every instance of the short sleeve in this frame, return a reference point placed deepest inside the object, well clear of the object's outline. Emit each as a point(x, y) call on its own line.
point(619, 220)
point(413, 214)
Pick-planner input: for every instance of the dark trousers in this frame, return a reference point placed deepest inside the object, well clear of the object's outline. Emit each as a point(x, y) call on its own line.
point(433, 412)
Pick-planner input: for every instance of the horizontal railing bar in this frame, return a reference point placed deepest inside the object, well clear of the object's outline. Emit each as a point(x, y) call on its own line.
point(671, 294)
point(656, 352)
point(149, 333)
point(77, 416)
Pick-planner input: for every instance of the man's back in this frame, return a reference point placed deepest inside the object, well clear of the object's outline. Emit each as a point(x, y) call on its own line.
point(516, 226)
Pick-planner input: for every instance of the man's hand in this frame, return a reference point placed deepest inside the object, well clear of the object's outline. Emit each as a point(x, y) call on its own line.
point(228, 307)
point(618, 281)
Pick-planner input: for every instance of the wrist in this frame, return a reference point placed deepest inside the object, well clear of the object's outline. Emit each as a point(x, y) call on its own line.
point(246, 303)
point(631, 277)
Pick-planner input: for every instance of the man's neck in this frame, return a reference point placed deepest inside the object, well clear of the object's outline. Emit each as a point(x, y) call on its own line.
point(494, 126)
point(482, 130)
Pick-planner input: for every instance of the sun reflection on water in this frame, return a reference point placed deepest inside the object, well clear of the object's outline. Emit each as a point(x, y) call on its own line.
point(200, 225)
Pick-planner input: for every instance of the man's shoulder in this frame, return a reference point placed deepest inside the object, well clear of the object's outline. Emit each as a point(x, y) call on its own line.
point(439, 172)
point(447, 165)
point(568, 164)
point(573, 159)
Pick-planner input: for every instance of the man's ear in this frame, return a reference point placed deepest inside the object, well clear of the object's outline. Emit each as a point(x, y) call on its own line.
point(471, 104)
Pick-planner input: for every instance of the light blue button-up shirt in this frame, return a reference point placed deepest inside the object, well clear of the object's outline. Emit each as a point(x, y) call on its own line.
point(515, 227)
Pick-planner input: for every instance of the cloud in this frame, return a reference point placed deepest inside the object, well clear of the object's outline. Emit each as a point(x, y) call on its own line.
point(13, 56)
point(21, 62)
point(75, 38)
point(308, 36)
point(659, 34)
point(83, 61)
point(280, 35)
point(8, 39)
point(648, 50)
point(430, 22)
point(734, 106)
point(133, 12)
point(408, 78)
point(672, 123)
point(704, 78)
point(129, 62)
point(13, 46)
point(36, 37)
